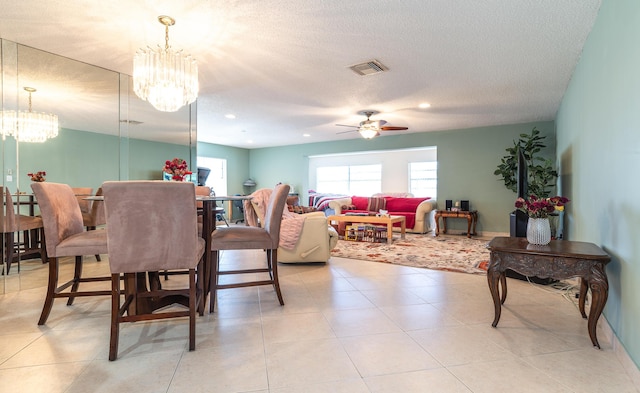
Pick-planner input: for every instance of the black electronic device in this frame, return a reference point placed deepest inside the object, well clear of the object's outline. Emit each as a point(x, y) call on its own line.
point(523, 175)
point(464, 206)
point(448, 204)
point(203, 174)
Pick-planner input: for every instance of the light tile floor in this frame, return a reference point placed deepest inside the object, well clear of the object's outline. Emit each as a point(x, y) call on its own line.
point(347, 326)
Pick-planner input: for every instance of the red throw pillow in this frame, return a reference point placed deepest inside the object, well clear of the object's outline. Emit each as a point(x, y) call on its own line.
point(375, 204)
point(361, 203)
point(404, 204)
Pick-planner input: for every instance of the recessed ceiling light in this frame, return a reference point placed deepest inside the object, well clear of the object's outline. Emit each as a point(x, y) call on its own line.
point(250, 141)
point(306, 135)
point(230, 116)
point(424, 105)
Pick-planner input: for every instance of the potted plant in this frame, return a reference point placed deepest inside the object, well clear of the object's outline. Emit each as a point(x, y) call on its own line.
point(540, 172)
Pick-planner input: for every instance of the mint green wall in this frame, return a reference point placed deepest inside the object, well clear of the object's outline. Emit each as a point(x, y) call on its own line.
point(146, 158)
point(77, 158)
point(86, 159)
point(237, 167)
point(466, 161)
point(599, 154)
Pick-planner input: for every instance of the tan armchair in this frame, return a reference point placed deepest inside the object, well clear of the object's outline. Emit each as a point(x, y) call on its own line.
point(315, 242)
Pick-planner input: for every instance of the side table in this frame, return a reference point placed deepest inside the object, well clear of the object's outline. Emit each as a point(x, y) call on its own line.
point(471, 216)
point(560, 259)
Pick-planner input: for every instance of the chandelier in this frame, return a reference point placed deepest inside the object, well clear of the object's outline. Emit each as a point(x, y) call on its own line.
point(167, 79)
point(29, 126)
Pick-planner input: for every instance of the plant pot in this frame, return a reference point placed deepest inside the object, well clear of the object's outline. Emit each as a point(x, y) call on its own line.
point(538, 231)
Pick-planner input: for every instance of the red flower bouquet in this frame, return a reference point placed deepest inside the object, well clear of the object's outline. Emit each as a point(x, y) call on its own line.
point(177, 168)
point(37, 176)
point(541, 207)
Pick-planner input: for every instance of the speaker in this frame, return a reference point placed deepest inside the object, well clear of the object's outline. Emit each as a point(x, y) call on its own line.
point(464, 206)
point(448, 204)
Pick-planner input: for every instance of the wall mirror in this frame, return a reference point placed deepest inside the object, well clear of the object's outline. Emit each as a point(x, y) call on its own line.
point(105, 131)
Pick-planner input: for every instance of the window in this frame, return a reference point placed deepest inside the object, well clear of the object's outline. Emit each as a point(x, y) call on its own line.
point(217, 179)
point(349, 179)
point(423, 179)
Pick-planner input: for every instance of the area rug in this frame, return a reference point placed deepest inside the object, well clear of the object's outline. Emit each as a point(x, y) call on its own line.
point(451, 252)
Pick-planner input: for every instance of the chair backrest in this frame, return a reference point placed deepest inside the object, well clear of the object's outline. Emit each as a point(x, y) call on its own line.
point(97, 210)
point(60, 212)
point(273, 214)
point(203, 191)
point(81, 193)
point(8, 214)
point(151, 225)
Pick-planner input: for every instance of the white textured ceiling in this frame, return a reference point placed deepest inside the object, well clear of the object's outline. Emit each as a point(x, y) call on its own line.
point(282, 66)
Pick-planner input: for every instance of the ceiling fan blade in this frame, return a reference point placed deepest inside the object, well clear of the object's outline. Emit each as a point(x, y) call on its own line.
point(345, 132)
point(346, 125)
point(391, 128)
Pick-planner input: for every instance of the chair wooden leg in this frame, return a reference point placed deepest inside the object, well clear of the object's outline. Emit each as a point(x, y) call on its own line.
point(213, 279)
point(9, 238)
point(76, 279)
point(43, 248)
point(273, 262)
point(51, 289)
point(200, 286)
point(115, 316)
point(192, 309)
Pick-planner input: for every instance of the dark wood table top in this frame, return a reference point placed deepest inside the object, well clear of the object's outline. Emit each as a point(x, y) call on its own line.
point(564, 248)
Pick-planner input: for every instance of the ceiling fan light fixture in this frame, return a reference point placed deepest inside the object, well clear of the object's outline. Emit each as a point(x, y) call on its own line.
point(167, 79)
point(368, 131)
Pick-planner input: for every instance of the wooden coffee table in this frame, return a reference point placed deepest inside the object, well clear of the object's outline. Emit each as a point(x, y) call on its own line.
point(386, 220)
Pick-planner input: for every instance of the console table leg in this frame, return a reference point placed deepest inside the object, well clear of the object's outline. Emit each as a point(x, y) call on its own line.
point(493, 278)
point(503, 284)
point(599, 293)
point(584, 286)
point(469, 226)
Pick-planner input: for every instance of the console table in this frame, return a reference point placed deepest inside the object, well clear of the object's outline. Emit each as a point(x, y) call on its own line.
point(471, 216)
point(560, 259)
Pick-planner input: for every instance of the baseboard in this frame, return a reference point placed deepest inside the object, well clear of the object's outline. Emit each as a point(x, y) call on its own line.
point(618, 349)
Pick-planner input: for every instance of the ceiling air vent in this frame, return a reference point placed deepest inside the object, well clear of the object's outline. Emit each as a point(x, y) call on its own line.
point(369, 68)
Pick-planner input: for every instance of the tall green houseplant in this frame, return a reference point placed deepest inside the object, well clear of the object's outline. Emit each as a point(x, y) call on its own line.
point(540, 171)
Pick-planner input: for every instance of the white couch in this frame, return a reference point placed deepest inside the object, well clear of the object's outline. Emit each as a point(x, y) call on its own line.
point(316, 241)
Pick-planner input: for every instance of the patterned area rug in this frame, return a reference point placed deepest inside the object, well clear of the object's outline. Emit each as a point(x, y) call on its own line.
point(450, 252)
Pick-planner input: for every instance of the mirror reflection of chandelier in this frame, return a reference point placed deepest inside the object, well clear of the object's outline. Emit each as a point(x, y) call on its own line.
point(167, 79)
point(29, 126)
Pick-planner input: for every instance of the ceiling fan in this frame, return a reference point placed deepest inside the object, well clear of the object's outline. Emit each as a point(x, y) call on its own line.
point(371, 128)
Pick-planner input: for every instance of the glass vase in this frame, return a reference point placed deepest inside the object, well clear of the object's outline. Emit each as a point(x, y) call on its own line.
point(538, 231)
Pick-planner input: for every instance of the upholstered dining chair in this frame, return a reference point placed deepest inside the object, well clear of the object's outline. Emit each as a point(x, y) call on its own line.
point(151, 227)
point(266, 238)
point(12, 224)
point(95, 216)
point(65, 237)
point(81, 193)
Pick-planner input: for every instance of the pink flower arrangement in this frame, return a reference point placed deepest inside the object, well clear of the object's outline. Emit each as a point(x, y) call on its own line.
point(177, 168)
point(541, 207)
point(37, 176)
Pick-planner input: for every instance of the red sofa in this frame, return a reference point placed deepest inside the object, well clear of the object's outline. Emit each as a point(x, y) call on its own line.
point(418, 212)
